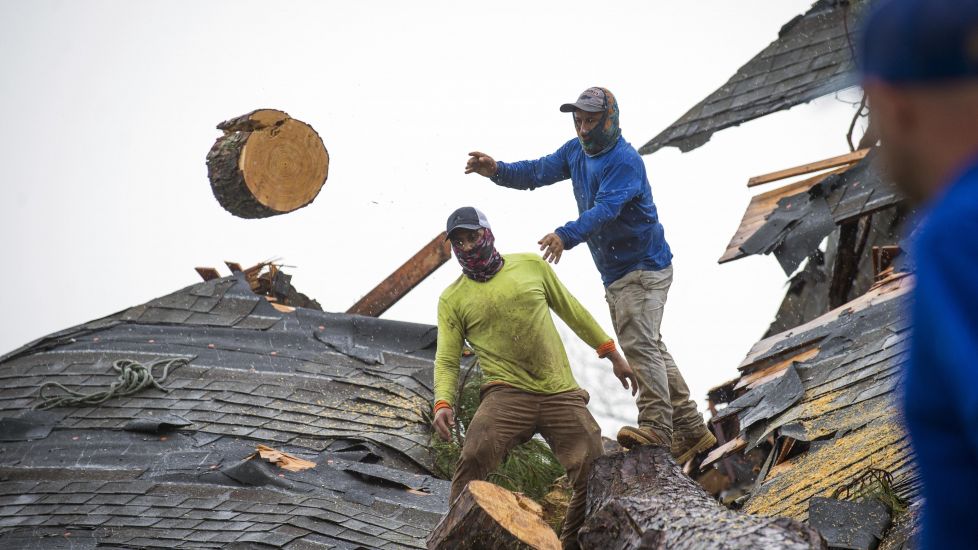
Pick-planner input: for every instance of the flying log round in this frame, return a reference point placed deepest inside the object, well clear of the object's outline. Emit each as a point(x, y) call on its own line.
point(266, 163)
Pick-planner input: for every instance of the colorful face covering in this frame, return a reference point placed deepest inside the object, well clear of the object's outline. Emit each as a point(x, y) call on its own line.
point(483, 261)
point(605, 135)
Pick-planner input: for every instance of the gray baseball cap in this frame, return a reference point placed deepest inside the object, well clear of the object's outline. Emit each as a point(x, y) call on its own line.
point(592, 100)
point(467, 217)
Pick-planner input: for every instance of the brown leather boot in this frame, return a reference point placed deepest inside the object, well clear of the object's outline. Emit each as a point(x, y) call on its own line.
point(630, 437)
point(688, 443)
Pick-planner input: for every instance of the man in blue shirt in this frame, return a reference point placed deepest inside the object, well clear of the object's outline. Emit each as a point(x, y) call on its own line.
point(919, 63)
point(619, 222)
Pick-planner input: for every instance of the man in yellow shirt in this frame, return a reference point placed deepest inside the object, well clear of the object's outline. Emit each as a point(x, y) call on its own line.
point(501, 307)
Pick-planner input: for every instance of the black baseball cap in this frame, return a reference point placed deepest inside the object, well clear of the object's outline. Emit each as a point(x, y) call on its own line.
point(467, 217)
point(592, 100)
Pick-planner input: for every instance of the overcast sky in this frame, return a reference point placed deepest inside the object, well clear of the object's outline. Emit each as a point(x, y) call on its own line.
point(109, 110)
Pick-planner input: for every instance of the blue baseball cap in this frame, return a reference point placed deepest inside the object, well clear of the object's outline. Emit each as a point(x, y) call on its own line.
point(920, 41)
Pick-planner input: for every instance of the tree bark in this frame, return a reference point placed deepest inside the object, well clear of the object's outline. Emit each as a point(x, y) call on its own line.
point(642, 499)
point(488, 517)
point(266, 163)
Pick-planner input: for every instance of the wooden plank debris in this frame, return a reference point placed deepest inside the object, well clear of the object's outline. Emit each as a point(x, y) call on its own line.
point(405, 278)
point(761, 206)
point(730, 447)
point(883, 257)
point(834, 162)
point(207, 273)
point(282, 459)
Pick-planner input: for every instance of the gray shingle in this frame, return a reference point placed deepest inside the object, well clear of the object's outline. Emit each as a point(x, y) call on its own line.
point(810, 58)
point(167, 489)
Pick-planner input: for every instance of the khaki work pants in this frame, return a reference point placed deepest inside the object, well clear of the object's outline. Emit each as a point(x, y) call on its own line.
point(507, 417)
point(637, 301)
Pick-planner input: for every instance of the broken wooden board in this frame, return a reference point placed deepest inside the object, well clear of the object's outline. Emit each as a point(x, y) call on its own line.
point(763, 205)
point(723, 451)
point(834, 162)
point(282, 459)
point(486, 517)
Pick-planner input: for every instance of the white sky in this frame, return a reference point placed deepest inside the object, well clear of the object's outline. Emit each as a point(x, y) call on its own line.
point(109, 109)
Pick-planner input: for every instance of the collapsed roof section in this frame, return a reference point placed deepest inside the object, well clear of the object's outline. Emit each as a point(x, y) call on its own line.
point(171, 468)
point(792, 221)
point(811, 57)
point(821, 399)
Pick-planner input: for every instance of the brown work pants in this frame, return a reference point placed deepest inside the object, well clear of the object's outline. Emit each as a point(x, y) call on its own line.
point(637, 301)
point(507, 417)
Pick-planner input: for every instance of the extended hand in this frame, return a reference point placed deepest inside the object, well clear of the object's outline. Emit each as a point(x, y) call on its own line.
point(443, 423)
point(623, 371)
point(481, 164)
point(553, 247)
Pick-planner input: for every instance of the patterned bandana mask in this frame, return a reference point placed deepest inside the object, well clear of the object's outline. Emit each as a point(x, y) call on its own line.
point(483, 261)
point(605, 135)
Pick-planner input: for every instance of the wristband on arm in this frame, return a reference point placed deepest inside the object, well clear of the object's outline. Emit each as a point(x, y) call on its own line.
point(606, 349)
point(441, 404)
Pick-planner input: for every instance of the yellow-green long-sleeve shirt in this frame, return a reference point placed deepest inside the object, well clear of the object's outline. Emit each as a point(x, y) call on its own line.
point(507, 321)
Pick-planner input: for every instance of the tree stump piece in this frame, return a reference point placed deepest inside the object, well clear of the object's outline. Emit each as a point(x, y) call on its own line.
point(488, 517)
point(266, 163)
point(642, 499)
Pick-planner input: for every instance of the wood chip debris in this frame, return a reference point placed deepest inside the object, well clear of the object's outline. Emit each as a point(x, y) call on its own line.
point(282, 459)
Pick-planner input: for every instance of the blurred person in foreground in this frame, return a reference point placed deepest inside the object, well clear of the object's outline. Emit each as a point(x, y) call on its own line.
point(919, 65)
point(501, 306)
point(618, 220)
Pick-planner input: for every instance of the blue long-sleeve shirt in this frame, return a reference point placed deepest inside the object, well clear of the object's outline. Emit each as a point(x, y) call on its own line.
point(618, 218)
point(941, 386)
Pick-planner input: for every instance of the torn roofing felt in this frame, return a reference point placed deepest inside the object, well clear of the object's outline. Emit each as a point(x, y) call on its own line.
point(831, 385)
point(792, 221)
point(167, 468)
point(811, 57)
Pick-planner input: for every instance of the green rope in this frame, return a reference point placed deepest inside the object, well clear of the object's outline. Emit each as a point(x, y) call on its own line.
point(133, 377)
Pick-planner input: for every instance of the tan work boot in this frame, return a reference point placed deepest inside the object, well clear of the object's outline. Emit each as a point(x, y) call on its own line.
point(630, 437)
point(688, 443)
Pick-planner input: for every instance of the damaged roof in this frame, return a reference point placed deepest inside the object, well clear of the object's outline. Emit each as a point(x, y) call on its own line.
point(826, 393)
point(792, 221)
point(811, 57)
point(171, 469)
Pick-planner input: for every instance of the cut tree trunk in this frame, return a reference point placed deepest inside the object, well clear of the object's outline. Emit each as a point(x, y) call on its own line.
point(266, 163)
point(642, 499)
point(488, 517)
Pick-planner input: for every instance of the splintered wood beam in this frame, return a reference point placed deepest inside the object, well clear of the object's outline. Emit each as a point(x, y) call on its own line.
point(833, 162)
point(730, 447)
point(402, 281)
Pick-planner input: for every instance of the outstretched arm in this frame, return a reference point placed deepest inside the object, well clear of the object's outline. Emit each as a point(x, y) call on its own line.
point(525, 174)
point(583, 324)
